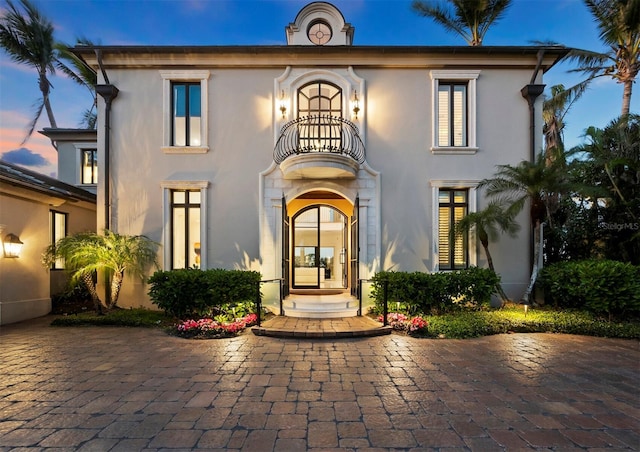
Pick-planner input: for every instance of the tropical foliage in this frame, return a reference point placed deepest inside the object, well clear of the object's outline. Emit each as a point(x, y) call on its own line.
point(77, 70)
point(85, 254)
point(536, 184)
point(471, 19)
point(28, 38)
point(618, 22)
point(488, 224)
point(608, 166)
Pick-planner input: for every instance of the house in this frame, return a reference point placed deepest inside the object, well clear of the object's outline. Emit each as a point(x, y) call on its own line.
point(35, 211)
point(318, 162)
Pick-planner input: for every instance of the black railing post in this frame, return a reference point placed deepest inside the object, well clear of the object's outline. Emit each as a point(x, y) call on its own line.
point(281, 295)
point(359, 298)
point(385, 308)
point(258, 304)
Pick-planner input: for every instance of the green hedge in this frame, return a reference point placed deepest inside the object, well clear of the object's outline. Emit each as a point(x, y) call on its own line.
point(428, 293)
point(603, 287)
point(197, 293)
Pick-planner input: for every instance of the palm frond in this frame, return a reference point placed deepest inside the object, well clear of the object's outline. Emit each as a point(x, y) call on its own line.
point(442, 16)
point(31, 126)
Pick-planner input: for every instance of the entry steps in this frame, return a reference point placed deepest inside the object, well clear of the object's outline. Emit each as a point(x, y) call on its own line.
point(320, 306)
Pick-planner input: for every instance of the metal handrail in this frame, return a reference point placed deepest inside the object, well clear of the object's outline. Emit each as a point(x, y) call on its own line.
point(319, 133)
point(385, 298)
point(259, 297)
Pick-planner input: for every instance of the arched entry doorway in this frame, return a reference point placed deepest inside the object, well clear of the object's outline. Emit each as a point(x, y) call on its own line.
point(320, 243)
point(319, 248)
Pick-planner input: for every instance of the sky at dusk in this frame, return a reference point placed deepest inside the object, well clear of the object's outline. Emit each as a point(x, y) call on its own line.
point(262, 22)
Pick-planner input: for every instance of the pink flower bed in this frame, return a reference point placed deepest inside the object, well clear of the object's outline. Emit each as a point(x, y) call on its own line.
point(209, 328)
point(400, 322)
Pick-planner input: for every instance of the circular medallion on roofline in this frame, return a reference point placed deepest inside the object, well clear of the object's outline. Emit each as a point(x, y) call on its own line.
point(319, 32)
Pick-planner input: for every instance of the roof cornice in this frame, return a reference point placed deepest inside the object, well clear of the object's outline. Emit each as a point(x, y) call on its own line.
point(364, 56)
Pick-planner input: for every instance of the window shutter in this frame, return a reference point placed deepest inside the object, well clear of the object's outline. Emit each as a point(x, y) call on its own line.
point(443, 115)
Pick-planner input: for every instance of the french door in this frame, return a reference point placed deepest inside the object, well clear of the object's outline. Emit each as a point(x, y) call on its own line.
point(319, 252)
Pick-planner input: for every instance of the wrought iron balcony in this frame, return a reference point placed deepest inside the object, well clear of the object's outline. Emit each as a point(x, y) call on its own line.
point(320, 146)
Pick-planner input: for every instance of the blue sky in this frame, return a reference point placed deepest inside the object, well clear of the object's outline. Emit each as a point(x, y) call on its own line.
point(262, 22)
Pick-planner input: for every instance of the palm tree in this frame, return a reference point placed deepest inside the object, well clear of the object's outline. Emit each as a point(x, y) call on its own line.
point(469, 18)
point(28, 39)
point(554, 110)
point(619, 24)
point(488, 224)
point(535, 183)
point(80, 72)
point(87, 253)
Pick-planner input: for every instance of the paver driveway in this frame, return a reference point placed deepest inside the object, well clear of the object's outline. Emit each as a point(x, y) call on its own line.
point(135, 389)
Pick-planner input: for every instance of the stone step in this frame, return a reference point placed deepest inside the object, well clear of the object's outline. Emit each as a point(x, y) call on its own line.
point(326, 306)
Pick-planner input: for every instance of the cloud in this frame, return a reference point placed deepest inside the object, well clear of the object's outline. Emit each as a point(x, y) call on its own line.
point(25, 157)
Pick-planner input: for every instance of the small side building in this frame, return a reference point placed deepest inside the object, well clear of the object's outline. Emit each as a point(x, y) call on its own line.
point(36, 210)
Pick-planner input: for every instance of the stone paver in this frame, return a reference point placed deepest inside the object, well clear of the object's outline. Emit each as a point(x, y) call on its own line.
point(126, 389)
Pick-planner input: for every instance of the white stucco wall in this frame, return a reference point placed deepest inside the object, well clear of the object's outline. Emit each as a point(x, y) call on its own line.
point(396, 121)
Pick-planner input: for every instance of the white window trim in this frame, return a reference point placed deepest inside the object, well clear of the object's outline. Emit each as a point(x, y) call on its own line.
point(169, 185)
point(470, 76)
point(436, 185)
point(79, 148)
point(177, 75)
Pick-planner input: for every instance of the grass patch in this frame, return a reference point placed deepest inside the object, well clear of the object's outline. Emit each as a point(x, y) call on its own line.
point(459, 325)
point(119, 317)
point(462, 325)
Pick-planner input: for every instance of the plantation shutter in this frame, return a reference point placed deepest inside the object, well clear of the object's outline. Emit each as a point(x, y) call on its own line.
point(443, 115)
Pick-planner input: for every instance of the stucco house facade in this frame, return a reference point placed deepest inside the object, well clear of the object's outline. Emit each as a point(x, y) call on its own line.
point(318, 162)
point(36, 210)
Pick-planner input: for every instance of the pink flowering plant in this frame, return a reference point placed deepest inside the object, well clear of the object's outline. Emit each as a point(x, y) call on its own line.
point(399, 322)
point(207, 328)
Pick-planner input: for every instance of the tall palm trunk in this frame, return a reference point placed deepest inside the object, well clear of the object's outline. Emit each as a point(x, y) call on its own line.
point(626, 97)
point(116, 284)
point(87, 279)
point(45, 88)
point(537, 261)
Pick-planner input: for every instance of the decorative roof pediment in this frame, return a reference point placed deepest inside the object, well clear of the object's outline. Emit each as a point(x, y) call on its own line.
point(319, 23)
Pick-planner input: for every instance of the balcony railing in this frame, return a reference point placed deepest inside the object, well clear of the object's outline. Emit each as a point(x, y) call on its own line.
point(317, 134)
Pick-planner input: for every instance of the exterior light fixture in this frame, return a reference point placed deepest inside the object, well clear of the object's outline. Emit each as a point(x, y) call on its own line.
point(283, 105)
point(525, 303)
point(12, 246)
point(356, 105)
point(342, 254)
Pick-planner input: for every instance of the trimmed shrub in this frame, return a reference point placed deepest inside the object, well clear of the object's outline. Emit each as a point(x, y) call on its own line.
point(603, 287)
point(200, 293)
point(429, 293)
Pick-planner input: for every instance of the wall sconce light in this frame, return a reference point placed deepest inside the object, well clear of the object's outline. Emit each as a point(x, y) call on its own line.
point(356, 105)
point(342, 254)
point(12, 246)
point(283, 105)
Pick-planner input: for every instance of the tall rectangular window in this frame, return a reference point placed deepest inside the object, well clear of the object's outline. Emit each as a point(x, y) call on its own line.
point(186, 114)
point(185, 228)
point(453, 205)
point(89, 166)
point(452, 114)
point(58, 230)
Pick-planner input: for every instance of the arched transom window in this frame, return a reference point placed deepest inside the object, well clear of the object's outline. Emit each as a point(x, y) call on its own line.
point(320, 99)
point(320, 108)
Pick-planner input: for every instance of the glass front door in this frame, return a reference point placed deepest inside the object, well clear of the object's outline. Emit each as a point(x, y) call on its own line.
point(319, 248)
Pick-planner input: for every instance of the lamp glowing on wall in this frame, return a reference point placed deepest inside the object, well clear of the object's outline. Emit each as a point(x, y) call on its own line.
point(355, 104)
point(282, 104)
point(12, 246)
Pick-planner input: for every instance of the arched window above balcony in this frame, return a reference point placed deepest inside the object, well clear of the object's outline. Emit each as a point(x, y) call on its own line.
point(320, 98)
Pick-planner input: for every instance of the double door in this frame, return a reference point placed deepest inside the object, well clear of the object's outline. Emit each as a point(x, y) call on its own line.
point(319, 253)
